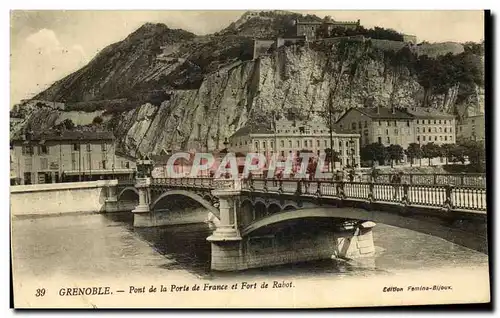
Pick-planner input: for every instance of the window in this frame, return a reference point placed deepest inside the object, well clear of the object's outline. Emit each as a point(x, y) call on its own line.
point(298, 143)
point(435, 138)
point(445, 138)
point(44, 164)
point(418, 121)
point(282, 153)
point(88, 147)
point(434, 121)
point(451, 138)
point(43, 150)
point(388, 140)
point(435, 129)
point(380, 123)
point(444, 121)
point(418, 138)
point(387, 131)
point(305, 143)
point(103, 147)
point(429, 129)
point(359, 125)
point(256, 145)
point(388, 123)
point(418, 130)
point(440, 121)
point(28, 150)
point(289, 144)
point(282, 143)
point(325, 142)
point(241, 143)
point(272, 145)
point(264, 144)
point(340, 144)
point(75, 147)
point(379, 140)
point(317, 152)
point(395, 123)
point(27, 164)
point(366, 124)
point(73, 161)
point(104, 164)
point(441, 138)
point(317, 143)
point(440, 129)
point(445, 129)
point(395, 131)
point(353, 126)
point(423, 138)
point(408, 123)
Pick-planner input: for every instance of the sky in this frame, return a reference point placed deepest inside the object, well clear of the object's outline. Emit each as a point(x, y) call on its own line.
point(48, 45)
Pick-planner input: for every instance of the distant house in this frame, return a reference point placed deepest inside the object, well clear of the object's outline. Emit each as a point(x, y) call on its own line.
point(308, 29)
point(471, 128)
point(51, 157)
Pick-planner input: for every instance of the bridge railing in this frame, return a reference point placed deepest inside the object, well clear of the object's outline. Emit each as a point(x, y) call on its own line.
point(445, 196)
point(184, 182)
point(462, 179)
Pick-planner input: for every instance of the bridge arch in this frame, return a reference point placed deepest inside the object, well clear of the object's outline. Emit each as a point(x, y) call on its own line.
point(435, 228)
point(206, 204)
point(273, 208)
point(128, 189)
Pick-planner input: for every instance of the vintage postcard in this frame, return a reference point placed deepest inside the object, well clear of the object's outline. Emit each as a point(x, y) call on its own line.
point(248, 159)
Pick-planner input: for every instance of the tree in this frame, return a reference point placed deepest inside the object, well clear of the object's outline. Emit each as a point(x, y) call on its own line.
point(322, 31)
point(413, 152)
point(97, 120)
point(430, 150)
point(373, 152)
point(476, 152)
point(447, 150)
point(331, 156)
point(394, 153)
point(458, 153)
point(66, 124)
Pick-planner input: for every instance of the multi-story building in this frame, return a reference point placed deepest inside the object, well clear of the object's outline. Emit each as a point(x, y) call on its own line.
point(379, 125)
point(292, 137)
point(399, 126)
point(433, 126)
point(67, 156)
point(308, 29)
point(471, 128)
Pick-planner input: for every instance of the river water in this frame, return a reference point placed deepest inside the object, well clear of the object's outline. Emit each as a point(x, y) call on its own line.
point(96, 246)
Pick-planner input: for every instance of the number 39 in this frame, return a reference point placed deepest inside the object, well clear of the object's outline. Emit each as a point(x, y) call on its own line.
point(40, 292)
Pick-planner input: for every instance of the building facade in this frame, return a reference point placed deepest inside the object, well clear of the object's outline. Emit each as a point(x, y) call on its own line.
point(308, 29)
point(471, 128)
point(379, 125)
point(399, 126)
point(433, 126)
point(292, 137)
point(68, 156)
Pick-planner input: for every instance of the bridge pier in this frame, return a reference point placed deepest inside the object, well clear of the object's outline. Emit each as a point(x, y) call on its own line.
point(111, 202)
point(142, 215)
point(226, 240)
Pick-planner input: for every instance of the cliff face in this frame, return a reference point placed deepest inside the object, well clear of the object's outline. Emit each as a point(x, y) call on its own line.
point(294, 81)
point(210, 86)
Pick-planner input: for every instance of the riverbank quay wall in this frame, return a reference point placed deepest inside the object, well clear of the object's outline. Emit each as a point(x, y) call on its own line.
point(63, 198)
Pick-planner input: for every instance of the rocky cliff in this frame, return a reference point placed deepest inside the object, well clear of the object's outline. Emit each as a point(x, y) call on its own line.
point(214, 87)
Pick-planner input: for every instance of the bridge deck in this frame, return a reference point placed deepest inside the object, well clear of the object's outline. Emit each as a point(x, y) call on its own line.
point(453, 197)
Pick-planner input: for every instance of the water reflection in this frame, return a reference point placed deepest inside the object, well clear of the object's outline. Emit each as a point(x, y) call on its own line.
point(108, 245)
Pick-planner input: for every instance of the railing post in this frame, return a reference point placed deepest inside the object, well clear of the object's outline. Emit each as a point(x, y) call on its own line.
point(371, 194)
point(447, 203)
point(462, 179)
point(299, 187)
point(265, 185)
point(318, 189)
point(435, 177)
point(411, 178)
point(280, 185)
point(405, 193)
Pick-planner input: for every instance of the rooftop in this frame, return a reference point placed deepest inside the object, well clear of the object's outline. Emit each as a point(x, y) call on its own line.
point(425, 112)
point(382, 113)
point(65, 135)
point(252, 130)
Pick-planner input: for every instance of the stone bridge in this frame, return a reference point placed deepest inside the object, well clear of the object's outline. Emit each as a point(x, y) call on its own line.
point(262, 222)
